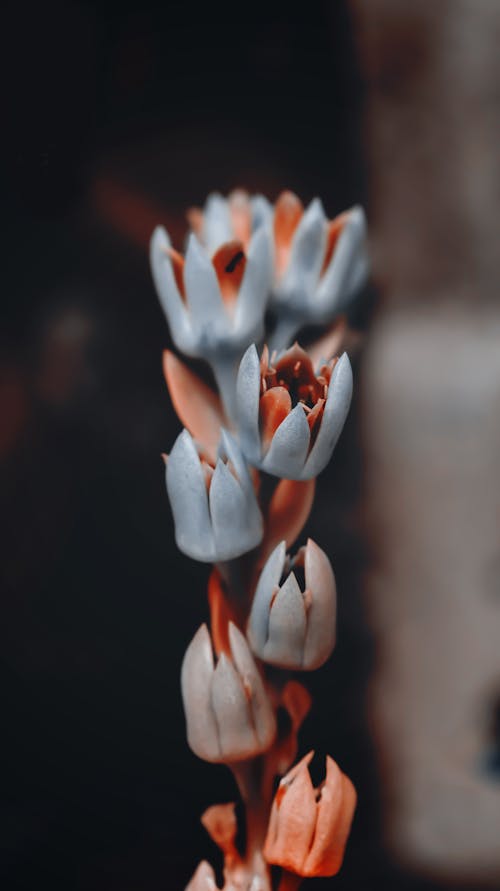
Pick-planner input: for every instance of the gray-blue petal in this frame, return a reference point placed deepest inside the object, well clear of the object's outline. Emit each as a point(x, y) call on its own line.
point(321, 614)
point(306, 258)
point(269, 579)
point(236, 526)
point(255, 287)
point(189, 501)
point(238, 739)
point(357, 278)
point(217, 227)
point(262, 712)
point(334, 285)
point(168, 293)
point(262, 212)
point(230, 450)
point(287, 627)
point(248, 396)
point(289, 446)
point(334, 415)
point(202, 290)
point(197, 674)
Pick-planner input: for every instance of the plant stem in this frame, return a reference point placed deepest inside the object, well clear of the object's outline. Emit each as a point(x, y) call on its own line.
point(225, 369)
point(289, 881)
point(257, 805)
point(286, 329)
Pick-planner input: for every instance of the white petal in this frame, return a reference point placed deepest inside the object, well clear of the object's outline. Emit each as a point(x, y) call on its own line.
point(236, 526)
point(262, 211)
point(229, 449)
point(247, 397)
point(306, 255)
point(168, 293)
point(289, 446)
point(255, 287)
point(258, 624)
point(217, 227)
point(189, 501)
point(263, 715)
point(203, 879)
point(196, 685)
point(321, 615)
point(334, 415)
point(236, 732)
point(334, 287)
point(203, 292)
point(358, 277)
point(287, 626)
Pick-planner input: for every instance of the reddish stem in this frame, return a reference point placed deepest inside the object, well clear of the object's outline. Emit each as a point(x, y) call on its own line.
point(289, 881)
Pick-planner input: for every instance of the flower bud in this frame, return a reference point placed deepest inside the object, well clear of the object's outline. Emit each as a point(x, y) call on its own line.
point(228, 713)
point(215, 509)
point(289, 627)
point(290, 417)
point(320, 264)
point(214, 306)
point(308, 827)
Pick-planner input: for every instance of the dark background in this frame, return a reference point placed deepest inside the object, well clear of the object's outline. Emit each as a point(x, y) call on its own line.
point(119, 116)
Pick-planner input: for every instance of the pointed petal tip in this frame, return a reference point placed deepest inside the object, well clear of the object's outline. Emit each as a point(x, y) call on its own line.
point(357, 211)
point(160, 237)
point(238, 643)
point(316, 209)
point(303, 763)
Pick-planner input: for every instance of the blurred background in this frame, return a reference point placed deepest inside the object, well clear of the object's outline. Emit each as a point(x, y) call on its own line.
point(120, 116)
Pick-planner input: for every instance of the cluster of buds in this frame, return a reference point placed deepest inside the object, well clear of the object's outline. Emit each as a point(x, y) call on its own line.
point(278, 412)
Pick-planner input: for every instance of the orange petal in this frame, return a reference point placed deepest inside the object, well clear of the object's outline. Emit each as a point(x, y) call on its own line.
point(288, 211)
point(220, 822)
point(178, 267)
point(198, 407)
point(288, 511)
point(314, 419)
point(336, 807)
point(275, 404)
point(221, 614)
point(293, 820)
point(229, 262)
point(294, 370)
point(195, 220)
point(241, 216)
point(334, 229)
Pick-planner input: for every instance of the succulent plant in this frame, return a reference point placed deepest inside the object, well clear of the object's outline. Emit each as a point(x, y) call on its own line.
point(277, 413)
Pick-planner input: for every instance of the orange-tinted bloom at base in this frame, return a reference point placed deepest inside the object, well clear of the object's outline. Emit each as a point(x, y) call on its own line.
point(308, 827)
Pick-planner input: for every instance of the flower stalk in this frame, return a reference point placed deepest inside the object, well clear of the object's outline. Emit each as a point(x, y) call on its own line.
point(241, 480)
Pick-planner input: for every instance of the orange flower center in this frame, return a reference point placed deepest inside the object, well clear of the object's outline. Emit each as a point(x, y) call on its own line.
point(229, 264)
point(289, 382)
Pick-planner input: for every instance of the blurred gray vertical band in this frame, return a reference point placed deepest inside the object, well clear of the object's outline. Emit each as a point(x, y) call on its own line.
point(431, 420)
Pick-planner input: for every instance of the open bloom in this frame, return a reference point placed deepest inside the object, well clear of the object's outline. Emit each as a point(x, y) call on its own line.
point(228, 714)
point(213, 305)
point(290, 627)
point(290, 417)
point(225, 219)
point(215, 509)
point(319, 263)
point(308, 827)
